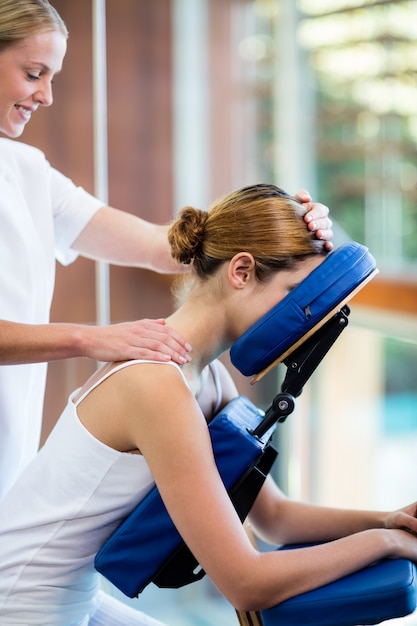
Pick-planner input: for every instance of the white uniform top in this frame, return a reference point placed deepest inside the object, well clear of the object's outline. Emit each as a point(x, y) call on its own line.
point(57, 515)
point(41, 214)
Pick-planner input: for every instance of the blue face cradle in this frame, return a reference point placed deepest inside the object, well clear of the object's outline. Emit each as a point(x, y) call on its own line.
point(325, 290)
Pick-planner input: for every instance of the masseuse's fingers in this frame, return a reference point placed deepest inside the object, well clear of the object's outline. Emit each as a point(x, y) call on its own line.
point(317, 218)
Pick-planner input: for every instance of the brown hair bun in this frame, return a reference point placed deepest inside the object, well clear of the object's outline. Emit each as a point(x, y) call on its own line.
point(186, 234)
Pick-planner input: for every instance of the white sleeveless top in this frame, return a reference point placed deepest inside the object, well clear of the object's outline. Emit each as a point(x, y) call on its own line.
point(63, 507)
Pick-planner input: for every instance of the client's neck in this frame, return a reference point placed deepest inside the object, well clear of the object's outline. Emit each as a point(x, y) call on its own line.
point(201, 321)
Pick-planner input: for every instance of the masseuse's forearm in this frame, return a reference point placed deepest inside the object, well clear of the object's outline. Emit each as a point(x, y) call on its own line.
point(139, 339)
point(27, 343)
point(124, 239)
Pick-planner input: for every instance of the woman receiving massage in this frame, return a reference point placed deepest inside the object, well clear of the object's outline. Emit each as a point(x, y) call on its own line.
point(137, 423)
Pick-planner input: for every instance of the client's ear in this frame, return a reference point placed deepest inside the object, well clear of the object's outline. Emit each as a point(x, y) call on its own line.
point(241, 269)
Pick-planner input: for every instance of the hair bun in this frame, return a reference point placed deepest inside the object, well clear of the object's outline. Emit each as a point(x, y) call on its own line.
point(186, 234)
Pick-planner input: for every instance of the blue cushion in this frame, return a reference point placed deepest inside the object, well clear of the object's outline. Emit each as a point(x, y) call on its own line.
point(326, 287)
point(383, 591)
point(133, 555)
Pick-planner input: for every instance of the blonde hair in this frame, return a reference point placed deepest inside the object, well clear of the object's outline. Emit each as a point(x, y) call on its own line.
point(261, 219)
point(20, 19)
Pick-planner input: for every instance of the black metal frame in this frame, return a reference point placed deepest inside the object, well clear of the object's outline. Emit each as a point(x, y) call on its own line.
point(300, 364)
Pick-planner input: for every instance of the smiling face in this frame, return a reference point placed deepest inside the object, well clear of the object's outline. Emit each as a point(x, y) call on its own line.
point(27, 70)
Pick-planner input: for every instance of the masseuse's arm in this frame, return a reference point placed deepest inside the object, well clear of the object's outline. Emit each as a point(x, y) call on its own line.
point(121, 238)
point(143, 339)
point(175, 441)
point(124, 239)
point(117, 237)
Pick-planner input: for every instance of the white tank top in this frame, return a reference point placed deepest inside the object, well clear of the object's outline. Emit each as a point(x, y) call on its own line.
point(72, 496)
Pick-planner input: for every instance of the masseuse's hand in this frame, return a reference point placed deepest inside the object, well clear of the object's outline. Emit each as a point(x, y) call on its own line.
point(142, 339)
point(317, 218)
